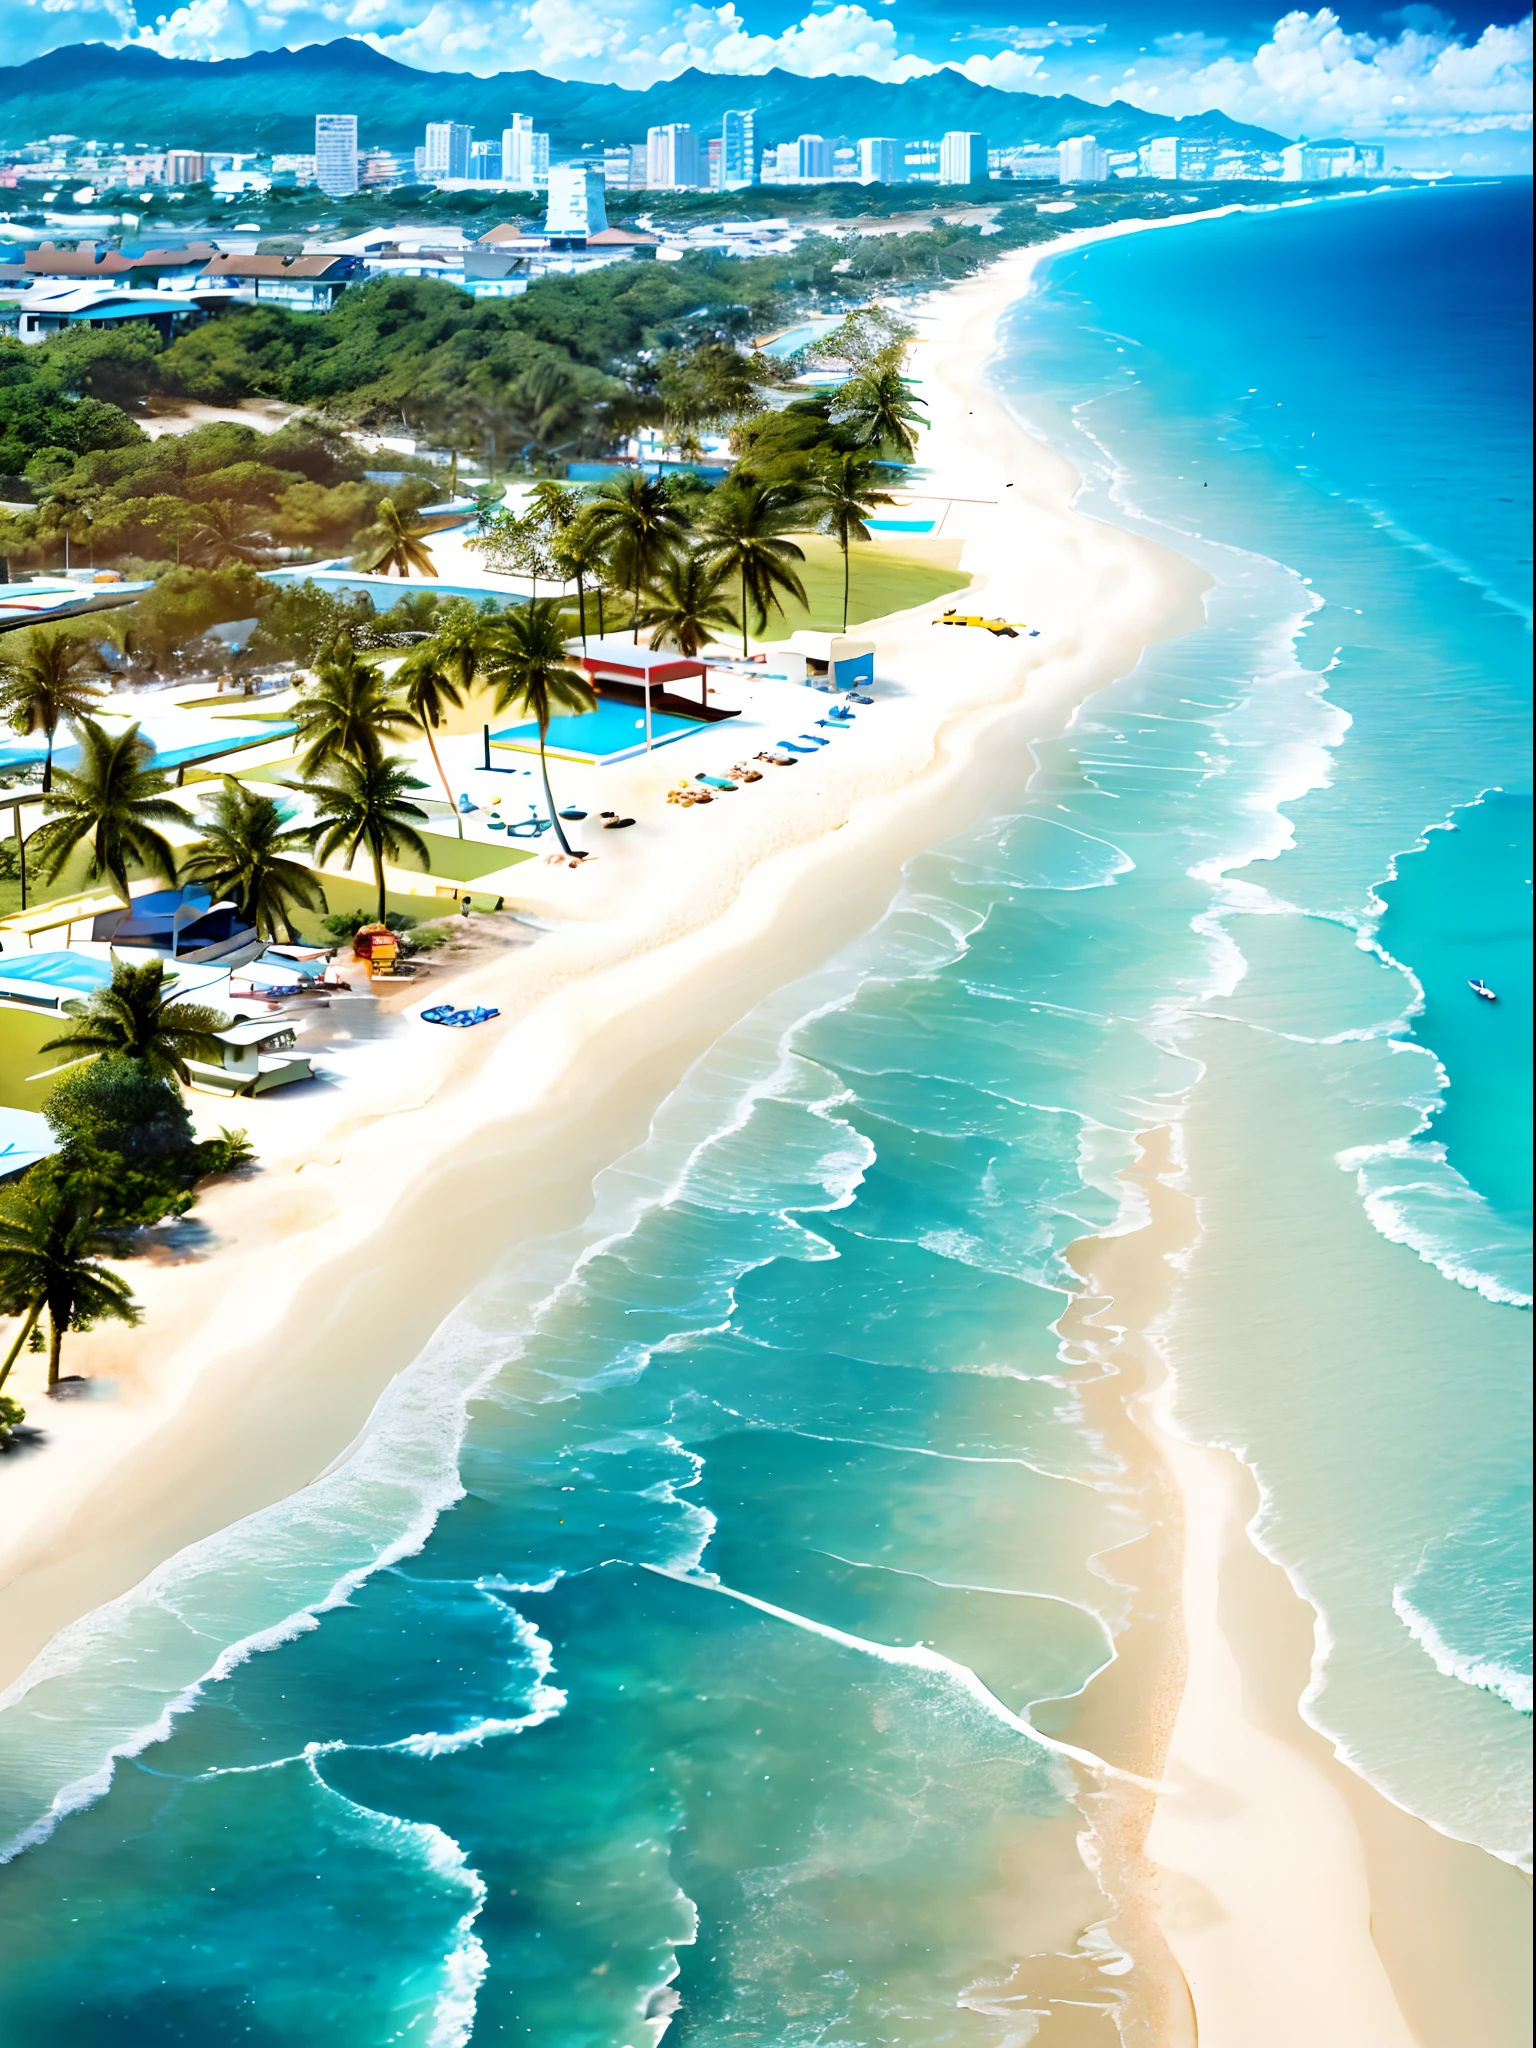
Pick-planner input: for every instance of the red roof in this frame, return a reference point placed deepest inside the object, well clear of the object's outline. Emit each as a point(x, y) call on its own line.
point(644, 664)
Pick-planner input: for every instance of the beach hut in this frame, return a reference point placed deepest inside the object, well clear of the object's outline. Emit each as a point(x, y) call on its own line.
point(846, 663)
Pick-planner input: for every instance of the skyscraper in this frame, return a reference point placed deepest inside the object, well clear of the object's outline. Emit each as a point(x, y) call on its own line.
point(447, 151)
point(738, 150)
point(1082, 161)
point(814, 158)
point(882, 160)
point(963, 158)
point(672, 157)
point(524, 155)
point(336, 154)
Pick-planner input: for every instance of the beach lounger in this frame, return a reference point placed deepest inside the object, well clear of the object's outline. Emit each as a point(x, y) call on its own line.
point(617, 824)
point(790, 747)
point(715, 781)
point(573, 814)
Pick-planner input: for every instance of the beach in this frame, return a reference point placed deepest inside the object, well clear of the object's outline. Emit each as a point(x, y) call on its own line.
point(1266, 1894)
point(329, 1270)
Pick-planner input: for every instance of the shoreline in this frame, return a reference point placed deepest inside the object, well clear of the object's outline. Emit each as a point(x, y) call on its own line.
point(353, 1246)
point(1284, 1894)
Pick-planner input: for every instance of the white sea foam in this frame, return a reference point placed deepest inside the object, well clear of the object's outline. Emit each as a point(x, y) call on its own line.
point(1486, 1673)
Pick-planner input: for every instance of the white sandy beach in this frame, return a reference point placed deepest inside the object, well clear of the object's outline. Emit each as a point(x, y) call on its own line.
point(1272, 1898)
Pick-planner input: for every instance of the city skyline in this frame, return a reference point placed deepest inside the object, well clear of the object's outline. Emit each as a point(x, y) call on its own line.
point(1432, 85)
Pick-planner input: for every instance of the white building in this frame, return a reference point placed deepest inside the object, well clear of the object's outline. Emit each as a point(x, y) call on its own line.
point(882, 160)
point(738, 149)
point(524, 155)
point(446, 151)
point(576, 205)
point(813, 159)
point(963, 158)
point(1164, 157)
point(336, 154)
point(1082, 161)
point(672, 158)
point(616, 167)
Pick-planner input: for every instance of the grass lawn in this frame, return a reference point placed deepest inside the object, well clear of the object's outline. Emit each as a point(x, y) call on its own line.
point(466, 860)
point(22, 1033)
point(883, 579)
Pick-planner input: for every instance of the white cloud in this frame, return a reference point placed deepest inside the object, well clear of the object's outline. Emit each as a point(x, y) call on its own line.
point(1310, 76)
point(1315, 77)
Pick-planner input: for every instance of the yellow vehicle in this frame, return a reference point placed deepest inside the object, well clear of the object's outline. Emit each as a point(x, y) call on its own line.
point(1002, 628)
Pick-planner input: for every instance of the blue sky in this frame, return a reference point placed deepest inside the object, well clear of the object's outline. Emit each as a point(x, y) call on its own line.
point(1435, 86)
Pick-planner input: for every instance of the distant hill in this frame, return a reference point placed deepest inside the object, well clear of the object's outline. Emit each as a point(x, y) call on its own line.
point(269, 101)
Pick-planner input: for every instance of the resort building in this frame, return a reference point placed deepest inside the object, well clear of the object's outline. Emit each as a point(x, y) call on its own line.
point(524, 155)
point(576, 205)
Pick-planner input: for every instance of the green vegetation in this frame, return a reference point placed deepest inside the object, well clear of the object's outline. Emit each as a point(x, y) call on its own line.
point(244, 854)
point(138, 1020)
point(113, 804)
point(364, 801)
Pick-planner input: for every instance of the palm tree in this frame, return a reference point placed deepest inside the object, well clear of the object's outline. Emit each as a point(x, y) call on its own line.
point(845, 496)
point(227, 531)
point(429, 689)
point(578, 552)
point(551, 507)
point(116, 802)
point(530, 670)
point(50, 1245)
point(460, 642)
point(639, 525)
point(878, 408)
point(745, 537)
point(365, 802)
point(44, 687)
point(685, 604)
point(399, 546)
point(346, 710)
point(138, 1018)
point(243, 854)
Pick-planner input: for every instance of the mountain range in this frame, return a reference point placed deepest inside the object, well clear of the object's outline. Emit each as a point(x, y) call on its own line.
point(132, 96)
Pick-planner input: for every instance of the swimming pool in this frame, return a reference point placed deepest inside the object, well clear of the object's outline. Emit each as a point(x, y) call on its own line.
point(900, 525)
point(613, 732)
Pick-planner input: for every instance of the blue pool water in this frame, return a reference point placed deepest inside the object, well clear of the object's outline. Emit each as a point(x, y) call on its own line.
point(669, 1658)
point(611, 732)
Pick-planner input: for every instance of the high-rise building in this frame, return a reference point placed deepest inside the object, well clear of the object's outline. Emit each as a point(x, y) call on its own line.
point(672, 157)
point(524, 155)
point(882, 161)
point(616, 167)
point(184, 167)
point(485, 162)
point(1082, 161)
point(963, 158)
point(576, 204)
point(738, 149)
point(447, 150)
point(814, 159)
point(714, 151)
point(1162, 157)
point(336, 154)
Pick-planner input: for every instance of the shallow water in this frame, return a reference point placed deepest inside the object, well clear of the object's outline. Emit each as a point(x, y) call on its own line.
point(690, 1692)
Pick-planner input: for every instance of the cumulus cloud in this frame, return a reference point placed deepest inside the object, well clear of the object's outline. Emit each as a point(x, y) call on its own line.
point(1313, 76)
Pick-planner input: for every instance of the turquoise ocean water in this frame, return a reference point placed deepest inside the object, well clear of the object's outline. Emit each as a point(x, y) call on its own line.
point(663, 1662)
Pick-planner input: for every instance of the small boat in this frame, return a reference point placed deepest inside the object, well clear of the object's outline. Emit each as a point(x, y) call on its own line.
point(1481, 988)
